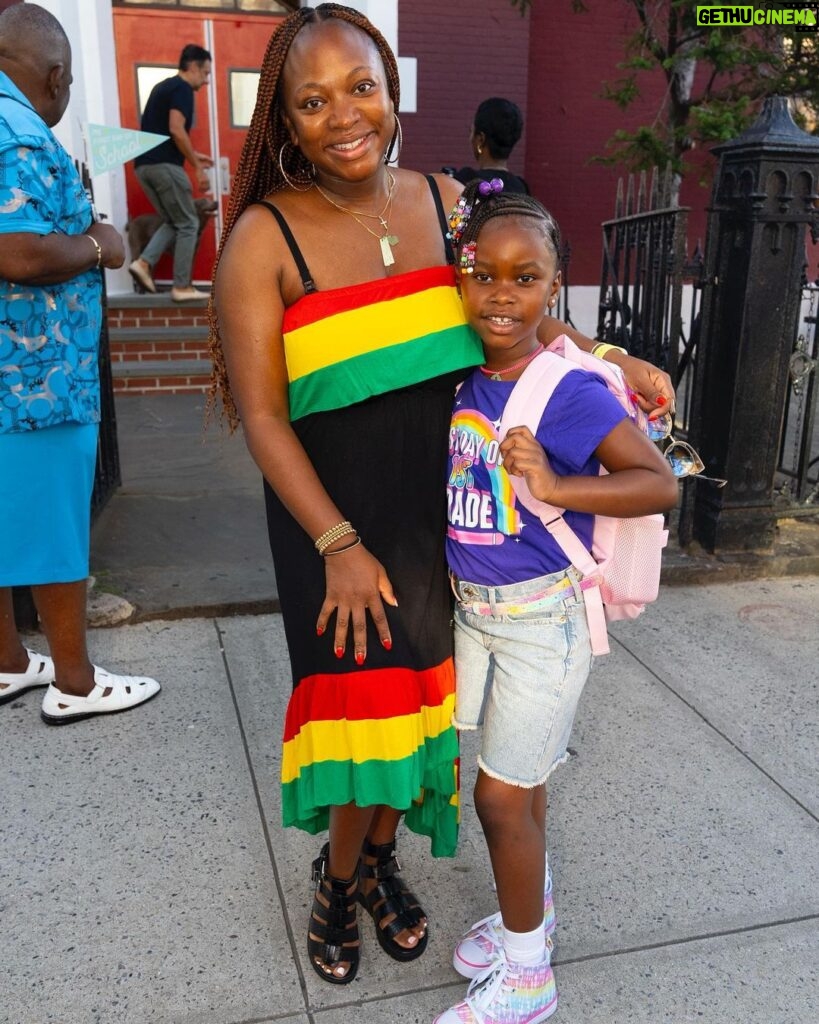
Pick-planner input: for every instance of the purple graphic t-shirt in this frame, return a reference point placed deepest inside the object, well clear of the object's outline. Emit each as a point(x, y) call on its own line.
point(491, 539)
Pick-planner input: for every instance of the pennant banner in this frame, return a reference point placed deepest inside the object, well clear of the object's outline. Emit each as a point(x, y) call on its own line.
point(111, 147)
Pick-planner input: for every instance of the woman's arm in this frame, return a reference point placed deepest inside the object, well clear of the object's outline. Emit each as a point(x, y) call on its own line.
point(652, 387)
point(250, 310)
point(639, 480)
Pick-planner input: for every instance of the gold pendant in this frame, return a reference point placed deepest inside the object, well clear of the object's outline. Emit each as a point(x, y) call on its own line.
point(386, 252)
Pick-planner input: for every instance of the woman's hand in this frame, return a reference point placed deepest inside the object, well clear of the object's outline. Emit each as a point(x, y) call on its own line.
point(523, 455)
point(652, 387)
point(356, 583)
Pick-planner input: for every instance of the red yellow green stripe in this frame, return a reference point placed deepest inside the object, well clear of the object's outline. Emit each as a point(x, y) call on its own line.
point(374, 737)
point(346, 345)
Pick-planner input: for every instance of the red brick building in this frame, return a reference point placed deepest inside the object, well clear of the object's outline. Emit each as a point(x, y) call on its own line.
point(552, 64)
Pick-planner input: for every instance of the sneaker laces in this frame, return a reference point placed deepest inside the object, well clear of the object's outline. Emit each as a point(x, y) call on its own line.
point(487, 928)
point(485, 986)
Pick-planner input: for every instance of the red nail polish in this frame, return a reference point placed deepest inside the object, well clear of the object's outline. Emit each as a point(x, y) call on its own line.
point(387, 644)
point(339, 652)
point(359, 658)
point(661, 399)
point(319, 630)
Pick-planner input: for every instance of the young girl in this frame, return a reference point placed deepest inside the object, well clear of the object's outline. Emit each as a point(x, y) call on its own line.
point(522, 648)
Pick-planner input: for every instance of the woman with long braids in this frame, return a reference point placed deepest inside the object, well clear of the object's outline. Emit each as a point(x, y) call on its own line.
point(338, 338)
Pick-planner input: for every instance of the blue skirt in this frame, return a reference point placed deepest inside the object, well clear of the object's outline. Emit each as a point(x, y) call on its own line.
point(46, 480)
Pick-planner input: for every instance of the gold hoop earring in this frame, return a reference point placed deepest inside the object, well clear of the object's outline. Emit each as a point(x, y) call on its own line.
point(397, 135)
point(304, 184)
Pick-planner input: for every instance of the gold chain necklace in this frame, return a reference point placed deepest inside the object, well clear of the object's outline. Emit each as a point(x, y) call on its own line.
point(386, 240)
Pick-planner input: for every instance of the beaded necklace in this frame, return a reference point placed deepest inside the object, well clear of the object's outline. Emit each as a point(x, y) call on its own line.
point(498, 374)
point(386, 240)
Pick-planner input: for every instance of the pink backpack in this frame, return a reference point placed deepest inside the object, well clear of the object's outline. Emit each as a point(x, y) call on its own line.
point(621, 574)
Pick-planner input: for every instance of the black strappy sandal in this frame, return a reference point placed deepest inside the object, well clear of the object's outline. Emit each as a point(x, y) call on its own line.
point(335, 924)
point(390, 896)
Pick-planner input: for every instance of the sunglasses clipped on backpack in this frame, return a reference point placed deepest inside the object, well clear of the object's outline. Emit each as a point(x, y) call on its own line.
point(682, 458)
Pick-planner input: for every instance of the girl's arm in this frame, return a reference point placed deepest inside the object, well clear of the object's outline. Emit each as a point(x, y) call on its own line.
point(639, 480)
point(248, 297)
point(653, 387)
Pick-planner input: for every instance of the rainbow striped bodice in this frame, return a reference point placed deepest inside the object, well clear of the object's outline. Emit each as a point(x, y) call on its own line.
point(345, 345)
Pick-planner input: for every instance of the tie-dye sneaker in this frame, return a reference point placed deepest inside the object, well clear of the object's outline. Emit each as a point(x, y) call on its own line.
point(481, 945)
point(506, 994)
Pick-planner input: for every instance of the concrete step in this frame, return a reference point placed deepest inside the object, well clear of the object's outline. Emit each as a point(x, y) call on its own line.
point(155, 377)
point(126, 335)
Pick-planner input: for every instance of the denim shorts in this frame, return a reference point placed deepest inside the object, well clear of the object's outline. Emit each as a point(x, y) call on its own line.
point(522, 658)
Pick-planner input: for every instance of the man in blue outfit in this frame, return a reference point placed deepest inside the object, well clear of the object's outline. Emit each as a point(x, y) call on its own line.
point(161, 173)
point(51, 259)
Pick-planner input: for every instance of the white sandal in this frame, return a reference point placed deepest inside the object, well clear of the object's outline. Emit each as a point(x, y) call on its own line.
point(125, 692)
point(40, 672)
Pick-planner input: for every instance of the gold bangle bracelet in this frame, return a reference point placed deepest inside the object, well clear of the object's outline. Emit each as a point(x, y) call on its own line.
point(98, 247)
point(339, 551)
point(334, 533)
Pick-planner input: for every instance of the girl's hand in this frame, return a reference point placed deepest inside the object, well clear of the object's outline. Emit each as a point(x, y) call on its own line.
point(652, 387)
point(523, 455)
point(356, 583)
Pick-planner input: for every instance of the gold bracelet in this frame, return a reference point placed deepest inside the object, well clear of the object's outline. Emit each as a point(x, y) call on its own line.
point(338, 551)
point(334, 533)
point(98, 247)
point(602, 347)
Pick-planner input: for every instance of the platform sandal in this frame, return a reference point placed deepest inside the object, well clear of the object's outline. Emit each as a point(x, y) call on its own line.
point(390, 896)
point(334, 924)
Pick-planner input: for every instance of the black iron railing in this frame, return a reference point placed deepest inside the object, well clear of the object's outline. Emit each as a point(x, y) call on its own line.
point(798, 467)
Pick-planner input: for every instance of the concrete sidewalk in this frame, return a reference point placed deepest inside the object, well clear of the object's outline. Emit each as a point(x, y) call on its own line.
point(146, 879)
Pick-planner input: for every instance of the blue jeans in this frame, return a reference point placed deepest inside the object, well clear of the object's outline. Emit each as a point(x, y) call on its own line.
point(170, 192)
point(522, 659)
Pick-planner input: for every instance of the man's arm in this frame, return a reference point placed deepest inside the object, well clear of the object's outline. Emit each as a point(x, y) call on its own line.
point(26, 258)
point(179, 134)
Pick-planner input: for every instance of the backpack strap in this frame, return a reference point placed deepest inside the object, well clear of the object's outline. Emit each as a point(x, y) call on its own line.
point(525, 407)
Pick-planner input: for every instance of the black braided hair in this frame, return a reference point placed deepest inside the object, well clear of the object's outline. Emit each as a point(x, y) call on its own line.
point(477, 209)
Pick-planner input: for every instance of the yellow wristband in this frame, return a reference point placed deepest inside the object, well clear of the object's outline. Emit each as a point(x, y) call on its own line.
point(601, 348)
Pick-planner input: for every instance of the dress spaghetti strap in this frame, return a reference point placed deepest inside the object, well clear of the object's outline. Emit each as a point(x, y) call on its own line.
point(304, 273)
point(301, 263)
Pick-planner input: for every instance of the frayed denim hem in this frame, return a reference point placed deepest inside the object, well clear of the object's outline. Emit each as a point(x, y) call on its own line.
point(517, 782)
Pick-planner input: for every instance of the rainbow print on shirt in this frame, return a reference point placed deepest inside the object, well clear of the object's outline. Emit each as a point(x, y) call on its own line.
point(478, 516)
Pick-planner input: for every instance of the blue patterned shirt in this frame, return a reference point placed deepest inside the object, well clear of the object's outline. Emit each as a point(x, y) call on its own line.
point(49, 334)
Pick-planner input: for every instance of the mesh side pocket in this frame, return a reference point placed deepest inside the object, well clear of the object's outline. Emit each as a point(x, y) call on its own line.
point(632, 574)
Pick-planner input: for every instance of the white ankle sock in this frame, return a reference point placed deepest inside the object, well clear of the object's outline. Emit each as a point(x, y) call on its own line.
point(525, 947)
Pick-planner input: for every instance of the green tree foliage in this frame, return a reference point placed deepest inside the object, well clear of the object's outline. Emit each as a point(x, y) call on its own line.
point(715, 79)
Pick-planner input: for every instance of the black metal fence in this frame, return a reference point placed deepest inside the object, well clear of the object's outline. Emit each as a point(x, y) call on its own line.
point(650, 298)
point(107, 477)
point(798, 467)
point(642, 271)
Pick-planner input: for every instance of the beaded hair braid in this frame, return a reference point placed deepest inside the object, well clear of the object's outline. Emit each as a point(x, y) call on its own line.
point(258, 172)
point(474, 208)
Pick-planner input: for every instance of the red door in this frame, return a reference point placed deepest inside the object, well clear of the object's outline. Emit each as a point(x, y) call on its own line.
point(148, 44)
